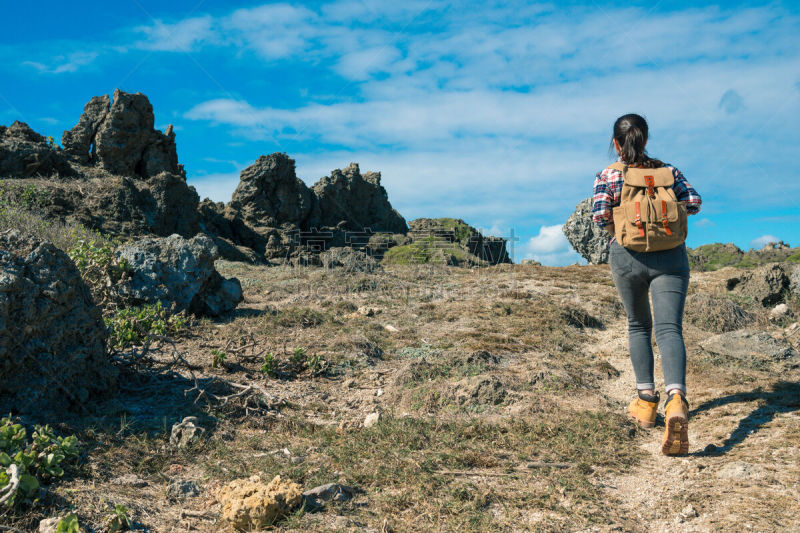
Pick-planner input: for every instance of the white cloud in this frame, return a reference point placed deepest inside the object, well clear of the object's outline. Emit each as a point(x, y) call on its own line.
point(61, 64)
point(762, 241)
point(182, 36)
point(550, 247)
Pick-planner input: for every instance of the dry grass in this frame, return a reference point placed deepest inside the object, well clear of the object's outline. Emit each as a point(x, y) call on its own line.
point(478, 372)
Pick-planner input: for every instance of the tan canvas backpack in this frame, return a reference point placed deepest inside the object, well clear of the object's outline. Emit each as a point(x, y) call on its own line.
point(649, 217)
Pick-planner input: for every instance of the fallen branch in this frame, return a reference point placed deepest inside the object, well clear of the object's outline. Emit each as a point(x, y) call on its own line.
point(7, 492)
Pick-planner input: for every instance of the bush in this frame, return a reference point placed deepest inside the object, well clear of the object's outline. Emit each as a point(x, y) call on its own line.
point(132, 326)
point(716, 313)
point(95, 258)
point(38, 459)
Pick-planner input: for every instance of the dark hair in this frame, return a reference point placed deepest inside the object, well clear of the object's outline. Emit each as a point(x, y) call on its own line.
point(630, 131)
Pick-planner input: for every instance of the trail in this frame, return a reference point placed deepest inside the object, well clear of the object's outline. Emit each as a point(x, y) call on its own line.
point(750, 482)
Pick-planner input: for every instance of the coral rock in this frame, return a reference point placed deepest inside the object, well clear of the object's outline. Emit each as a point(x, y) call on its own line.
point(249, 504)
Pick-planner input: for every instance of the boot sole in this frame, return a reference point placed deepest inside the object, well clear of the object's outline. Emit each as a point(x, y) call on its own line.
point(676, 436)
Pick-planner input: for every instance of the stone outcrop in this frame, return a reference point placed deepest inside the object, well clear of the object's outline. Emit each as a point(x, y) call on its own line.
point(119, 136)
point(586, 237)
point(351, 201)
point(748, 345)
point(767, 285)
point(52, 336)
point(179, 273)
point(270, 195)
point(25, 154)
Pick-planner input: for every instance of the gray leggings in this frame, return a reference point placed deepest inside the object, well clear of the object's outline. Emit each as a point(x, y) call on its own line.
point(665, 275)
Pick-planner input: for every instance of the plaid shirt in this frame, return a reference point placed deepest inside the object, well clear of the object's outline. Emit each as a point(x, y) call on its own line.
point(608, 187)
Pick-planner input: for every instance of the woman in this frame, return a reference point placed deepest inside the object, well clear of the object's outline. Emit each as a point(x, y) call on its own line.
point(663, 275)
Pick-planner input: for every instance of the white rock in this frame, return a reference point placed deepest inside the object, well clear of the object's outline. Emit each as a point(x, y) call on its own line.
point(367, 311)
point(372, 419)
point(390, 328)
point(779, 311)
point(48, 525)
point(688, 512)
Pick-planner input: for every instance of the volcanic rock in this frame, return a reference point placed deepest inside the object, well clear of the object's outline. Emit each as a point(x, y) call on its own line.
point(179, 273)
point(586, 237)
point(351, 201)
point(119, 135)
point(24, 154)
point(52, 335)
point(270, 195)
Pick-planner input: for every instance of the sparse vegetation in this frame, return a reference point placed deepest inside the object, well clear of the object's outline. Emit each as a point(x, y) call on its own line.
point(29, 462)
point(131, 326)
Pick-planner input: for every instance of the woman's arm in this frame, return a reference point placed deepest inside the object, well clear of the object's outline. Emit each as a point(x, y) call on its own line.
point(686, 193)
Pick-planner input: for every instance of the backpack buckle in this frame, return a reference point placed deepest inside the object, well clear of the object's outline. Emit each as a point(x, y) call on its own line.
point(650, 181)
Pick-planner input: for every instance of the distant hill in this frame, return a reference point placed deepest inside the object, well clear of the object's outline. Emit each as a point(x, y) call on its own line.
point(715, 256)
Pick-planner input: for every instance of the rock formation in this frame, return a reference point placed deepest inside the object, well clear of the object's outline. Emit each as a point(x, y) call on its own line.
point(120, 137)
point(766, 285)
point(351, 201)
point(588, 239)
point(25, 154)
point(250, 504)
point(179, 273)
point(52, 336)
point(270, 195)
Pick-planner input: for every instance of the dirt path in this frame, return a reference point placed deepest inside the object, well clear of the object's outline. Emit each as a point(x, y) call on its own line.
point(743, 468)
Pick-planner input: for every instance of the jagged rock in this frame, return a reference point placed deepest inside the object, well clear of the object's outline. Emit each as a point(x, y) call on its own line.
point(49, 525)
point(179, 273)
point(185, 432)
point(120, 136)
point(372, 419)
point(444, 231)
point(586, 237)
point(379, 243)
point(250, 504)
point(52, 335)
point(350, 201)
point(767, 285)
point(748, 345)
point(24, 154)
point(270, 195)
point(79, 141)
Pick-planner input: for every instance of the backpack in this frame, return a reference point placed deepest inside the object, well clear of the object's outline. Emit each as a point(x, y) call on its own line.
point(649, 217)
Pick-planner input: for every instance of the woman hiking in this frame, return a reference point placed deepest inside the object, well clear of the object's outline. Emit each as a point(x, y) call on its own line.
point(643, 204)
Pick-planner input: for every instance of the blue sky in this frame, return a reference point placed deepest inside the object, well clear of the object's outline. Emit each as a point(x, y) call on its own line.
point(497, 113)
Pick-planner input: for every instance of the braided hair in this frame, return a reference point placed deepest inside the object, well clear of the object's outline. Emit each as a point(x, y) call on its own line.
point(630, 131)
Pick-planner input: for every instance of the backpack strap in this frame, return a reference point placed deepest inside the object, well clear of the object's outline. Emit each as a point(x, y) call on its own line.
point(618, 166)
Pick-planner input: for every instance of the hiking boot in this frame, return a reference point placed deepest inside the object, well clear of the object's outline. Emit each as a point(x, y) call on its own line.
point(643, 409)
point(676, 419)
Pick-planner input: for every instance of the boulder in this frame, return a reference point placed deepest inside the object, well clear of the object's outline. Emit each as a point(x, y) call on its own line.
point(52, 336)
point(586, 237)
point(716, 313)
point(25, 154)
point(270, 195)
point(766, 285)
point(748, 345)
point(119, 135)
point(250, 504)
point(351, 201)
point(179, 273)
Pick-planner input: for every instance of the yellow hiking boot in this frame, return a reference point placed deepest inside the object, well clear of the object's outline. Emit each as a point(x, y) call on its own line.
point(643, 409)
point(676, 419)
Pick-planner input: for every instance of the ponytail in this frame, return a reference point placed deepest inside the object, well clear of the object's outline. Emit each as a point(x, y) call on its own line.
point(630, 131)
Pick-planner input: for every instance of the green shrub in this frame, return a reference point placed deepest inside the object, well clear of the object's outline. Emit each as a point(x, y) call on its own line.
point(68, 524)
point(131, 326)
point(119, 520)
point(270, 365)
point(218, 358)
point(38, 459)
